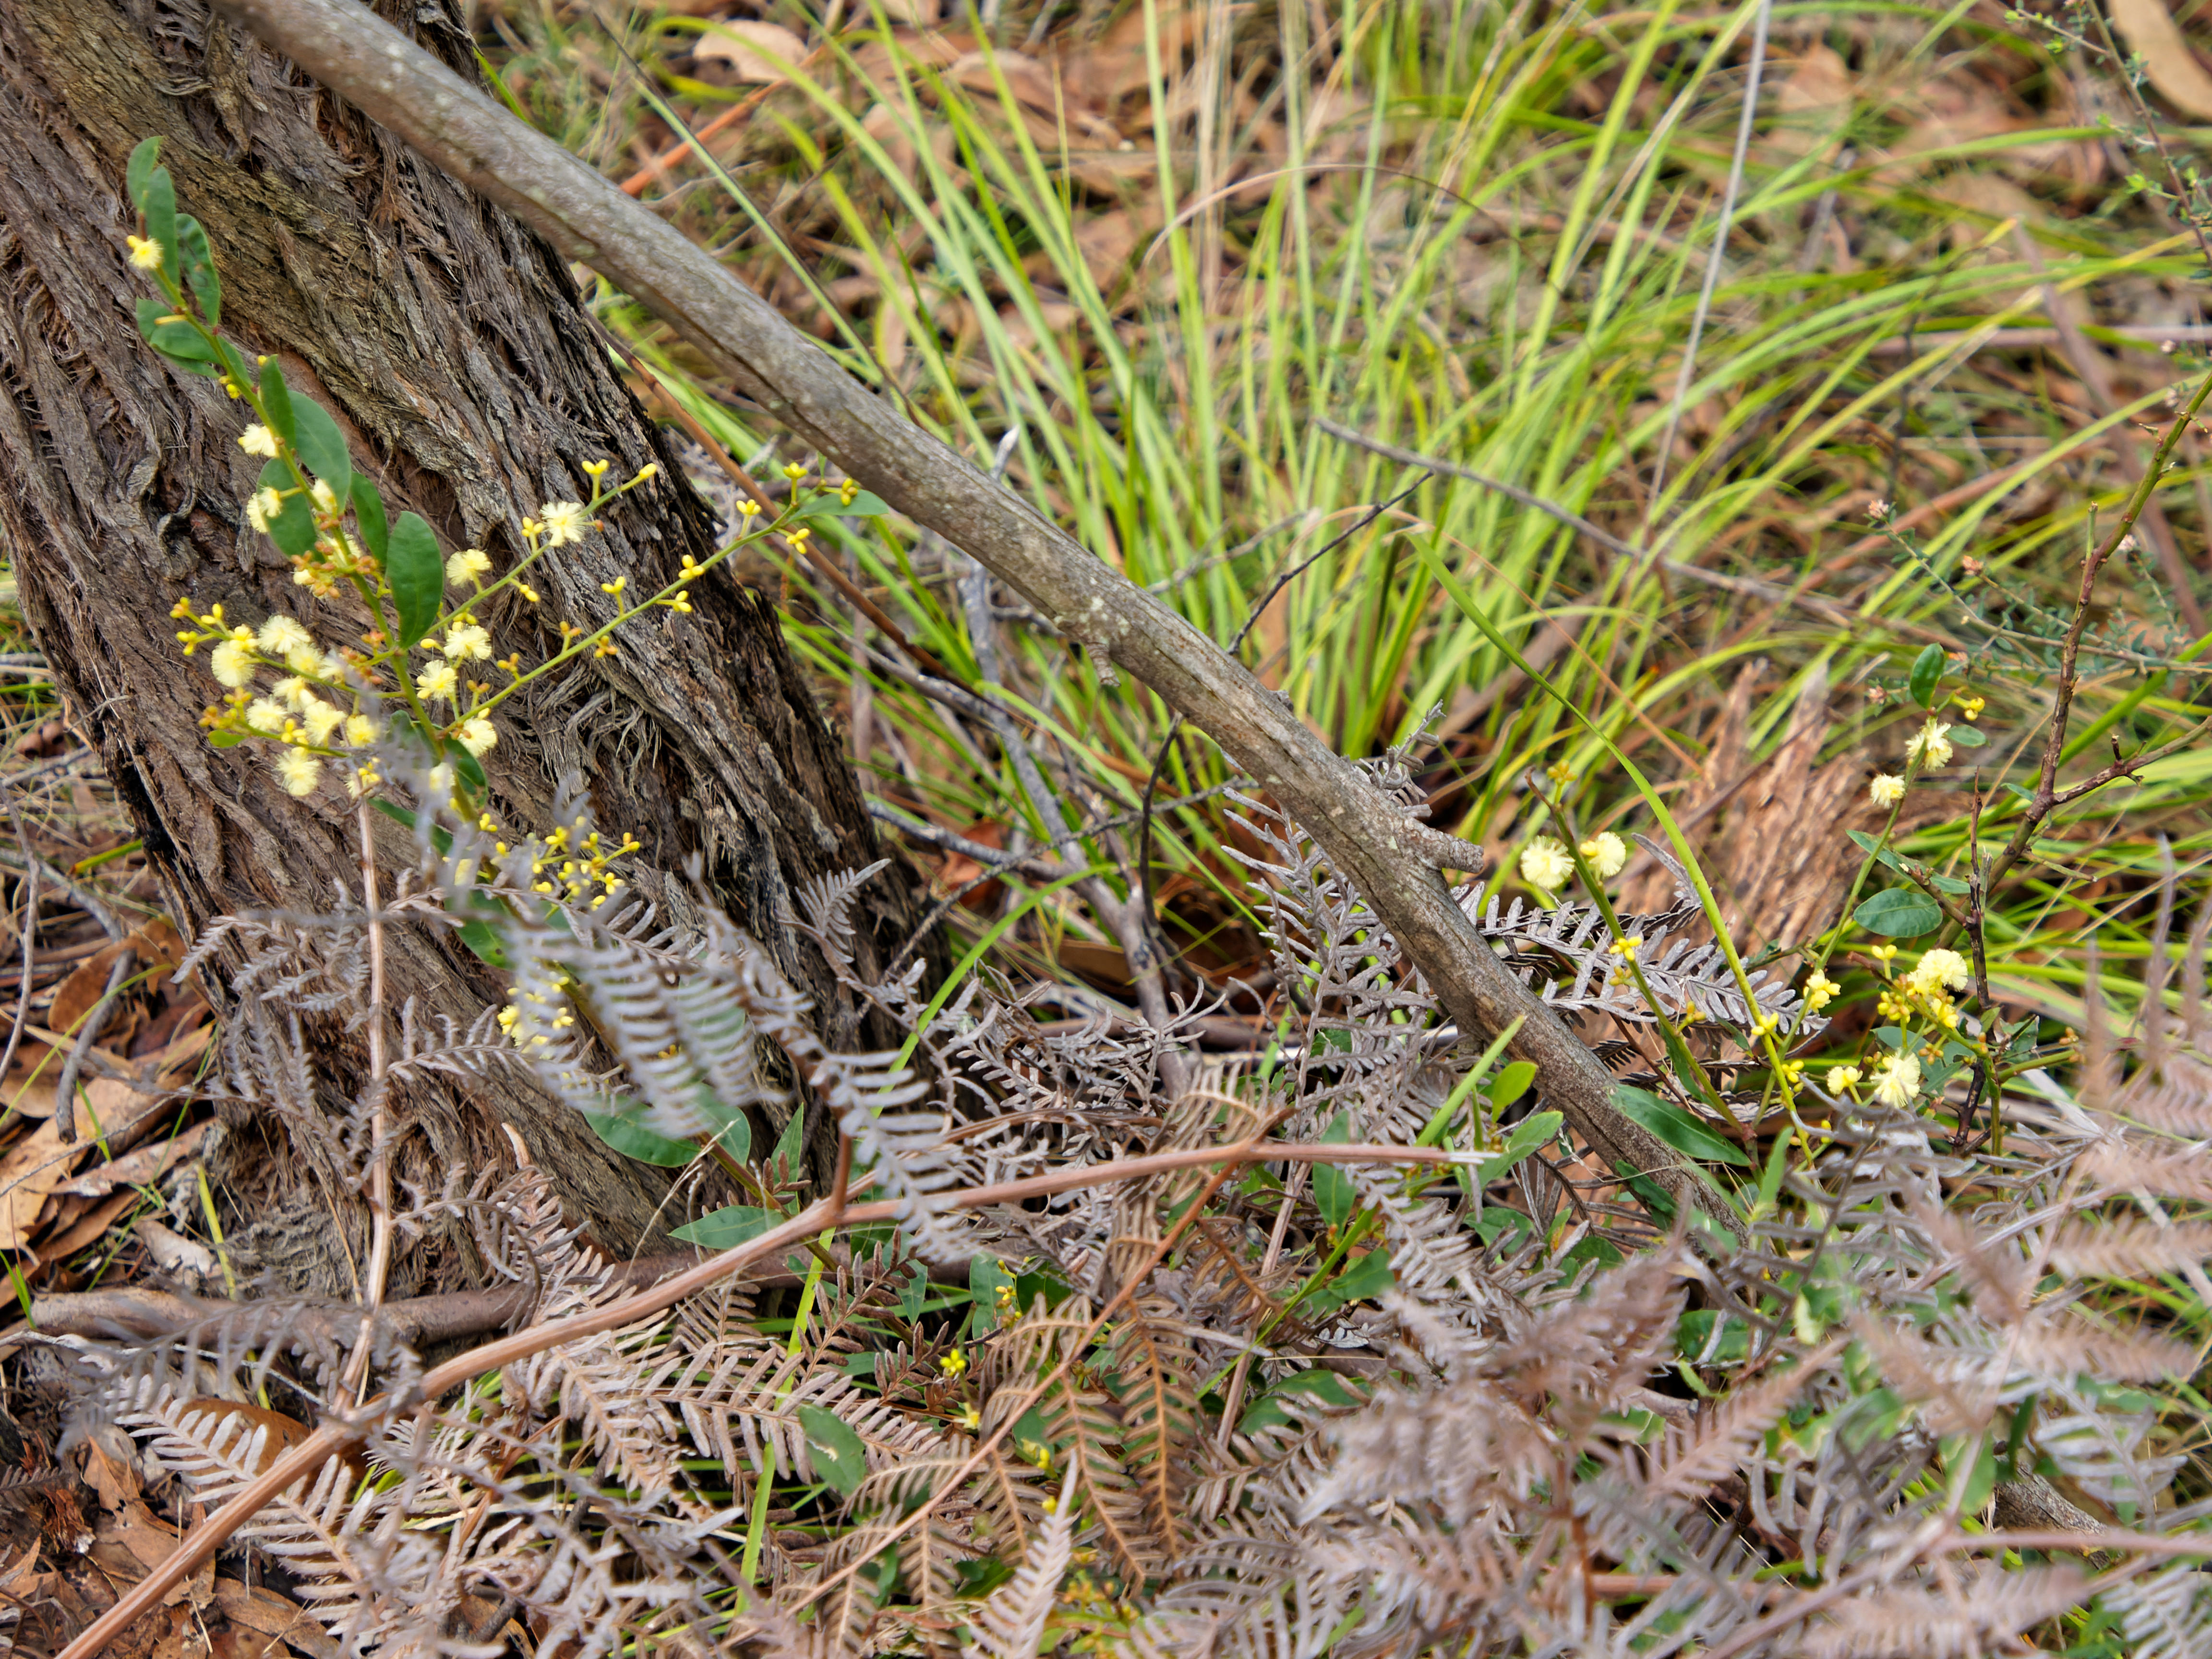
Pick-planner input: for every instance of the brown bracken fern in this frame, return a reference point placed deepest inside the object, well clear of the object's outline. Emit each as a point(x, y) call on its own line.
point(1506, 1403)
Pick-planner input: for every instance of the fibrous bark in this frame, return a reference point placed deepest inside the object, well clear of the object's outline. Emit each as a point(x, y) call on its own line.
point(450, 344)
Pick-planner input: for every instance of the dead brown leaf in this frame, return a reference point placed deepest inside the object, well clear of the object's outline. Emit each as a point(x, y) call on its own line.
point(1114, 67)
point(2173, 67)
point(147, 1164)
point(1103, 965)
point(114, 1480)
point(158, 945)
point(131, 1541)
point(32, 1097)
point(74, 997)
point(34, 1166)
point(264, 1612)
point(958, 869)
point(90, 1224)
point(749, 52)
point(178, 1056)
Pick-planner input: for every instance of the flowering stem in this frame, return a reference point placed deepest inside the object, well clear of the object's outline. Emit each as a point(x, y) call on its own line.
point(1692, 1073)
point(590, 641)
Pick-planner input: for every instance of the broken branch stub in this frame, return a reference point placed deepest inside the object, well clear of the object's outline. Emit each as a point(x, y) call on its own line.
point(588, 218)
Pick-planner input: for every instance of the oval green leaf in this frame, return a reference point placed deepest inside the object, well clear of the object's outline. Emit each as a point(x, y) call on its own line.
point(1334, 1192)
point(417, 576)
point(733, 1131)
point(198, 261)
point(1512, 1082)
point(139, 174)
point(1899, 913)
point(483, 944)
point(1366, 1278)
point(1675, 1127)
point(722, 1228)
point(1968, 736)
point(369, 518)
point(862, 506)
point(158, 204)
point(293, 529)
point(276, 403)
point(633, 1140)
point(1927, 670)
point(838, 1455)
point(174, 338)
point(322, 447)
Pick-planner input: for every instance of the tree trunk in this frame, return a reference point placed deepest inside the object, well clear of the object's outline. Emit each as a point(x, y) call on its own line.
point(450, 345)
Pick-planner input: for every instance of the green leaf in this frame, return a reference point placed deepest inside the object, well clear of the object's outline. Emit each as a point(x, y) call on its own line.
point(483, 943)
point(1368, 1277)
point(225, 739)
point(1494, 1221)
point(622, 1132)
point(862, 506)
point(467, 767)
point(235, 362)
point(1529, 1133)
point(977, 1578)
point(1512, 1082)
point(158, 204)
point(322, 447)
point(198, 261)
point(913, 1296)
point(276, 403)
point(175, 339)
point(1694, 1331)
point(1332, 1188)
point(1267, 1412)
point(368, 517)
point(839, 1456)
point(1968, 736)
point(417, 576)
point(1927, 670)
point(478, 932)
point(790, 1153)
point(1899, 913)
point(985, 1273)
point(1971, 1463)
point(139, 174)
point(1675, 1127)
point(721, 1229)
point(293, 529)
point(733, 1131)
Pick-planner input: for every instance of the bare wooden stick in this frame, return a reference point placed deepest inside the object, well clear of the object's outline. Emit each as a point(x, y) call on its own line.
point(1393, 862)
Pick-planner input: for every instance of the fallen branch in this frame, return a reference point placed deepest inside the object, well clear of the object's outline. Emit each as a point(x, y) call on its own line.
point(1393, 861)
